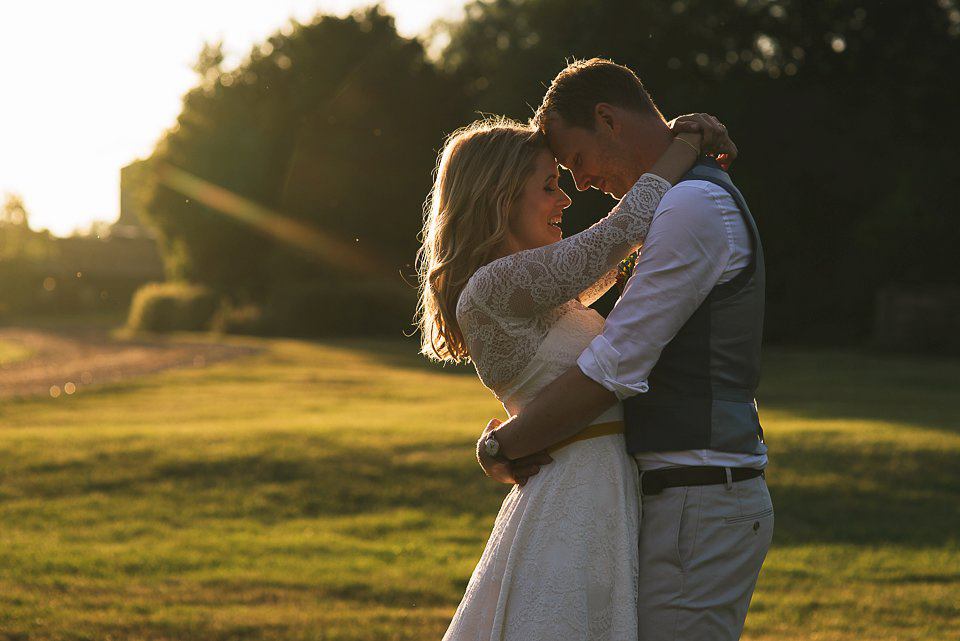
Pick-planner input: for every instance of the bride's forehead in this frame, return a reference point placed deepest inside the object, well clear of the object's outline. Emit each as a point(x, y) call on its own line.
point(546, 163)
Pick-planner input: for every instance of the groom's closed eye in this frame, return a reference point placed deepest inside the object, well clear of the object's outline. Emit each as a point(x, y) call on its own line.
point(573, 163)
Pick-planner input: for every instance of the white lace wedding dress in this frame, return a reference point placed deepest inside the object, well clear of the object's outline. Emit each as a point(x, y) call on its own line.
point(561, 562)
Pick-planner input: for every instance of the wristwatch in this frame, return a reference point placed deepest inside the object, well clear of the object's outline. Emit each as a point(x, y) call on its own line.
point(491, 445)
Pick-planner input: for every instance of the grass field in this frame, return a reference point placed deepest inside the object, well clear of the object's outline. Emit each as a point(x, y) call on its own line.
point(328, 491)
point(11, 353)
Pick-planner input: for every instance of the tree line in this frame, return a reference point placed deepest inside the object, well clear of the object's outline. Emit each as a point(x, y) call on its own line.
point(293, 184)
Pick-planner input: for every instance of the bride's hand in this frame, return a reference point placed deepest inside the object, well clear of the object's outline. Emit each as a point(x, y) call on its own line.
point(716, 140)
point(495, 468)
point(505, 471)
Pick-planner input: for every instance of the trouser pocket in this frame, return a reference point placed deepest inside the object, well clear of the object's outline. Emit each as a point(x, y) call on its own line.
point(688, 526)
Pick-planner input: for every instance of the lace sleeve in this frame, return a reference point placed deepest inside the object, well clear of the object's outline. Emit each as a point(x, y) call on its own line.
point(529, 282)
point(593, 292)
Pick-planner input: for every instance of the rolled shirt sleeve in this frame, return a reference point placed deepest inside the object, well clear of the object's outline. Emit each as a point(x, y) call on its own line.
point(601, 362)
point(685, 255)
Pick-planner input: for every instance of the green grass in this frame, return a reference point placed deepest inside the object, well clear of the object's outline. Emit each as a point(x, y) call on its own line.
point(328, 491)
point(11, 353)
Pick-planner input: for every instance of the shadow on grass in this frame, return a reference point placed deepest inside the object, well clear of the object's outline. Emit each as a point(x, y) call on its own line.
point(818, 384)
point(822, 493)
point(345, 481)
point(311, 476)
point(828, 492)
point(401, 354)
point(921, 391)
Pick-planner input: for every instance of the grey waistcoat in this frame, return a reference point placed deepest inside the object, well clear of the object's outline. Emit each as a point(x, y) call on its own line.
point(702, 388)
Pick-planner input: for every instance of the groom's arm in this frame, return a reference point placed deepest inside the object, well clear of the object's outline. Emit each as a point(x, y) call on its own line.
point(683, 257)
point(559, 411)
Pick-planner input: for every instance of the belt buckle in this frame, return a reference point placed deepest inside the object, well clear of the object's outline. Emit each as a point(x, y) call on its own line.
point(655, 483)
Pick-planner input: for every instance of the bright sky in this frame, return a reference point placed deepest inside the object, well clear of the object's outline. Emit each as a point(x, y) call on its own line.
point(90, 86)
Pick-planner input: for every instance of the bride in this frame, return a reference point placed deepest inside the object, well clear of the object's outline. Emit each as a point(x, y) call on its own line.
point(501, 289)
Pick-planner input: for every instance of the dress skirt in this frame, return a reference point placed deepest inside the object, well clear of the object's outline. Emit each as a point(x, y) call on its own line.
point(561, 561)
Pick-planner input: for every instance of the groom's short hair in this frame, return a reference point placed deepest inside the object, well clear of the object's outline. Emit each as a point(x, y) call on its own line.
point(583, 84)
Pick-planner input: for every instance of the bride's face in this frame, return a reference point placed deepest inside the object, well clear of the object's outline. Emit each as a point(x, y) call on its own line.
point(535, 216)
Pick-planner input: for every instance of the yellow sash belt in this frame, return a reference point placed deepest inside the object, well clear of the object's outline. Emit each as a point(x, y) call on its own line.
point(591, 431)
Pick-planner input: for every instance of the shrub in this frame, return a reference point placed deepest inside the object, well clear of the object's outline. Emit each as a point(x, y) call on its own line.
point(21, 285)
point(245, 319)
point(171, 307)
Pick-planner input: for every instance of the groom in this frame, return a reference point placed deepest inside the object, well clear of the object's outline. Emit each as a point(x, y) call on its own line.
point(681, 349)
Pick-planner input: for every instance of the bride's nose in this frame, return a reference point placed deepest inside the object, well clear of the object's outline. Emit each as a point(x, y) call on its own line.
point(564, 199)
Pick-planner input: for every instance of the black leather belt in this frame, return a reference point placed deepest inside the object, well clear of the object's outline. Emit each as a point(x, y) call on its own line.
point(656, 481)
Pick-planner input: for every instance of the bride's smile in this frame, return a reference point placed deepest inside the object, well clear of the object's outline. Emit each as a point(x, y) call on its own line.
point(536, 215)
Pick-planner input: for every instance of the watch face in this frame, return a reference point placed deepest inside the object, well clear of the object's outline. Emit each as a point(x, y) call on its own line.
point(492, 446)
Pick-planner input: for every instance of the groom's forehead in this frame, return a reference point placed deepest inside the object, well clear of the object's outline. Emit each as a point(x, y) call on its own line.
point(565, 142)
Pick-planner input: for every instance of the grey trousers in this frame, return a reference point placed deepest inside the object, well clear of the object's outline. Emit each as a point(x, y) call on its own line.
point(701, 549)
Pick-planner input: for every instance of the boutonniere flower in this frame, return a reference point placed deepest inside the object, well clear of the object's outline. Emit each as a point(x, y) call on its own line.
point(625, 270)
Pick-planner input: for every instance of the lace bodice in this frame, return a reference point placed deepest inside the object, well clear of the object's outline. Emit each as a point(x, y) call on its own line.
point(509, 306)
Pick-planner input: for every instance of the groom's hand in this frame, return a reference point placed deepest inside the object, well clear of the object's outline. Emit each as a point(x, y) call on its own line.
point(517, 471)
point(524, 468)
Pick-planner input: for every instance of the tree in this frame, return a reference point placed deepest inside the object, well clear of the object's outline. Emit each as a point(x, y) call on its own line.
point(17, 240)
point(22, 252)
point(327, 133)
point(309, 162)
point(14, 213)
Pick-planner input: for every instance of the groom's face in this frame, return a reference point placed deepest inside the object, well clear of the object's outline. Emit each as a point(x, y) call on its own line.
point(594, 157)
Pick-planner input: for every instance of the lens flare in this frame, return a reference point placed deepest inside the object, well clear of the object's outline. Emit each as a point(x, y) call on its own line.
point(272, 223)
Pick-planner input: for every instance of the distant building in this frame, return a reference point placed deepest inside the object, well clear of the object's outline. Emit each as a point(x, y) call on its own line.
point(132, 221)
point(113, 259)
point(103, 271)
point(85, 273)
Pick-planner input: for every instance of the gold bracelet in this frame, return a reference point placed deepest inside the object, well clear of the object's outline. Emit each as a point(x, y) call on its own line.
point(689, 144)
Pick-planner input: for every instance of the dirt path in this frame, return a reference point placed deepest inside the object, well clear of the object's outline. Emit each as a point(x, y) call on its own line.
point(65, 362)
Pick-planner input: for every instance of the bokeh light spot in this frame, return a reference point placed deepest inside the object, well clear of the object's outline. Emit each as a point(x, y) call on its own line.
point(766, 46)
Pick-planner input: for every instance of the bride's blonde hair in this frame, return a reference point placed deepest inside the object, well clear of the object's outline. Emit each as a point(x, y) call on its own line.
point(480, 173)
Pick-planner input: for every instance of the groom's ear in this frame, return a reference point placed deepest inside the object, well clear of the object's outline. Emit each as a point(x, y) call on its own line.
point(606, 116)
